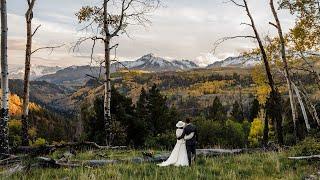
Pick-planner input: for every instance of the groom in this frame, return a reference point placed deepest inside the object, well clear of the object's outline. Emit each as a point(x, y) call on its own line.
point(190, 135)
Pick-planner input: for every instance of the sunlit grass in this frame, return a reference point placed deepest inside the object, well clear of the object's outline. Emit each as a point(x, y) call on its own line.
point(245, 166)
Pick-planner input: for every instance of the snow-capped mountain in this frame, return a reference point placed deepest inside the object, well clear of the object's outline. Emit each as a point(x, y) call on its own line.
point(17, 72)
point(149, 62)
point(240, 61)
point(152, 63)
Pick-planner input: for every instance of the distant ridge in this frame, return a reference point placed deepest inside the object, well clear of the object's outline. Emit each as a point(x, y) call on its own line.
point(149, 62)
point(239, 61)
point(17, 72)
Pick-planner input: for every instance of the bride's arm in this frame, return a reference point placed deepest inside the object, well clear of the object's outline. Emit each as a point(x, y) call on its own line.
point(180, 134)
point(190, 136)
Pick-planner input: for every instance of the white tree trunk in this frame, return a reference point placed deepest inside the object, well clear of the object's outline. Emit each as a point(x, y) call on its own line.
point(286, 68)
point(4, 140)
point(312, 109)
point(303, 109)
point(107, 82)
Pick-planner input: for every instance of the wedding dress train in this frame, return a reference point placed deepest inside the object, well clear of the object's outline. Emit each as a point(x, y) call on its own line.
point(179, 156)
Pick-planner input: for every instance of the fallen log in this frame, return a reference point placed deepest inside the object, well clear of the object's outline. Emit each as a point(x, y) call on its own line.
point(97, 163)
point(215, 152)
point(48, 149)
point(305, 157)
point(10, 159)
point(51, 163)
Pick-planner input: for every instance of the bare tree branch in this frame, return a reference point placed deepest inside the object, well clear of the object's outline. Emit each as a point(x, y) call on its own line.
point(122, 16)
point(96, 78)
point(114, 46)
point(84, 39)
point(35, 31)
point(47, 47)
point(237, 4)
point(222, 40)
point(272, 24)
point(246, 24)
point(121, 64)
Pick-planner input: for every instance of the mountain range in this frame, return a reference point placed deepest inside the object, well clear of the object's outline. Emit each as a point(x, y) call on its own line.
point(152, 63)
point(62, 89)
point(239, 61)
point(75, 75)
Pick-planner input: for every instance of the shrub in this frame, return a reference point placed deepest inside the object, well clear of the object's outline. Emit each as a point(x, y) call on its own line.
point(165, 140)
point(14, 132)
point(216, 133)
point(32, 132)
point(210, 132)
point(309, 146)
point(38, 142)
point(256, 133)
point(235, 136)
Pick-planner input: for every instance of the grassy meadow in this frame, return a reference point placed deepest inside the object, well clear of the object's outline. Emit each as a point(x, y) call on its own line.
point(260, 166)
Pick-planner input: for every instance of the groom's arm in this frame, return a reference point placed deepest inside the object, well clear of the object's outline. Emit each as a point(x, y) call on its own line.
point(190, 136)
point(182, 135)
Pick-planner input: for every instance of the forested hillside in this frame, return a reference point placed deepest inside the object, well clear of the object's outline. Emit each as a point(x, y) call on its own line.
point(219, 94)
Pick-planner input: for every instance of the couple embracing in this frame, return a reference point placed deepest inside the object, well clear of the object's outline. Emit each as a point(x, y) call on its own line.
point(184, 151)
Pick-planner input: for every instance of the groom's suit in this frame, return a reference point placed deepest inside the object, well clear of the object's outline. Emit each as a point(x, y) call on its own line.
point(192, 142)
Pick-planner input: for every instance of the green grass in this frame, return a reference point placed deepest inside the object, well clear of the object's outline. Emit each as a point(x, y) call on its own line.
point(246, 166)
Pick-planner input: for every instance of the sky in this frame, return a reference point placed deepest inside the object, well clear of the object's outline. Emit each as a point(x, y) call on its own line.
point(179, 29)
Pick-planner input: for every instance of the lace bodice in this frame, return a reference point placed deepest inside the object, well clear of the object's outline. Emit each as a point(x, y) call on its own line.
point(179, 132)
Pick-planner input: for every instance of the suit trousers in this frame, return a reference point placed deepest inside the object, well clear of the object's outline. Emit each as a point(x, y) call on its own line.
point(191, 150)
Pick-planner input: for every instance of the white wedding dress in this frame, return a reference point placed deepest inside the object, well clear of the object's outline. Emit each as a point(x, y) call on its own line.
point(179, 156)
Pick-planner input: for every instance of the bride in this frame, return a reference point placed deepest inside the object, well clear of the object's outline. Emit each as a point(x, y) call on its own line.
point(179, 156)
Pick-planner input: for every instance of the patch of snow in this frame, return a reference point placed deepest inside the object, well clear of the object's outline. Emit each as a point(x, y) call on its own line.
point(36, 71)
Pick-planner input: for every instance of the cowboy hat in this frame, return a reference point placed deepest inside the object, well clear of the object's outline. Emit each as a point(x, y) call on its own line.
point(180, 124)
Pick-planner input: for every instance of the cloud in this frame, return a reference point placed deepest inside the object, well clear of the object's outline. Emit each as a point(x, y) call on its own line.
point(16, 43)
point(183, 29)
point(205, 59)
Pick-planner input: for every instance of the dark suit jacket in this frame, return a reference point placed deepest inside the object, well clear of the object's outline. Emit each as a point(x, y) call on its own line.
point(190, 128)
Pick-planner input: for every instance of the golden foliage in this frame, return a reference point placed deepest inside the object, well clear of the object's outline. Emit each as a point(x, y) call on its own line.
point(32, 132)
point(15, 124)
point(15, 105)
point(34, 107)
point(38, 142)
point(262, 93)
point(262, 88)
point(199, 89)
point(256, 132)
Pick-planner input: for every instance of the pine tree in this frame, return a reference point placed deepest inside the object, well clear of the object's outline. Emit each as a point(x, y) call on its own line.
point(158, 111)
point(141, 123)
point(217, 112)
point(122, 118)
point(141, 108)
point(254, 110)
point(236, 112)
